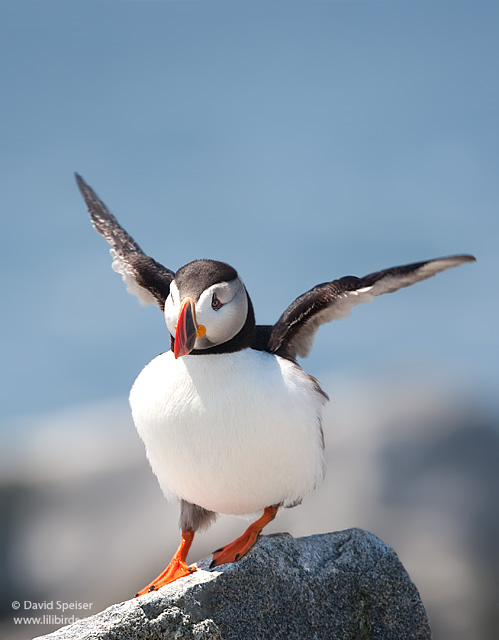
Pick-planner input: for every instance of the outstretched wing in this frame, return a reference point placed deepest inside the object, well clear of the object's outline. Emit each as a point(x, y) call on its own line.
point(294, 332)
point(147, 279)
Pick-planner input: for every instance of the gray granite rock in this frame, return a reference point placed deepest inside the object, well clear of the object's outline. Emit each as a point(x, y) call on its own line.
point(347, 585)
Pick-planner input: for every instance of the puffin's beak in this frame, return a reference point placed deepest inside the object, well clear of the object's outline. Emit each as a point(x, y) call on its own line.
point(187, 329)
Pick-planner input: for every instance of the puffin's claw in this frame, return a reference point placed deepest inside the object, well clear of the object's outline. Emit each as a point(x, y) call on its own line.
point(175, 570)
point(178, 568)
point(235, 550)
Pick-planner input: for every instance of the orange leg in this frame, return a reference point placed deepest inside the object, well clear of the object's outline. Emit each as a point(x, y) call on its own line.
point(176, 569)
point(241, 546)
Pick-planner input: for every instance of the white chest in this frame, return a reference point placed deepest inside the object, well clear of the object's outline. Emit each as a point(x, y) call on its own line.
point(233, 433)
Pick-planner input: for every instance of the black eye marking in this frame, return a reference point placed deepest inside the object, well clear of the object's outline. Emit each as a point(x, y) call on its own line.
point(215, 303)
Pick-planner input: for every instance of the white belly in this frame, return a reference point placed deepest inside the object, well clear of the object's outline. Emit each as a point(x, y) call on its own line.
point(233, 433)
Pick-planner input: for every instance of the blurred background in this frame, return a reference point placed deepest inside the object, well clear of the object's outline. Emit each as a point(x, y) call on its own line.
point(300, 142)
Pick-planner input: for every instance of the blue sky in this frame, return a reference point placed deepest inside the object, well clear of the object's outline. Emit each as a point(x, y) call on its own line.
point(298, 141)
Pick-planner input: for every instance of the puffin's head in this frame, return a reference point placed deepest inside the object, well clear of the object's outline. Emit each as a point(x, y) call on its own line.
point(208, 309)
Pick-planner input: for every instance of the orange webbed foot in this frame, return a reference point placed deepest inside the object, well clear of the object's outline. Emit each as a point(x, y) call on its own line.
point(175, 570)
point(240, 547)
point(178, 568)
point(235, 550)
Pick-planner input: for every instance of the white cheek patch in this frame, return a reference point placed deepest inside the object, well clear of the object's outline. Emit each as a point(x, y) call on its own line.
point(172, 308)
point(224, 323)
point(224, 291)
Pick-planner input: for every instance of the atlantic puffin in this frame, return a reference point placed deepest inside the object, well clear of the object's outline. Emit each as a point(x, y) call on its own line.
point(230, 421)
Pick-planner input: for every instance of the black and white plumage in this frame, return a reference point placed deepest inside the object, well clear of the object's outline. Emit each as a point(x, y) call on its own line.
point(230, 421)
point(143, 276)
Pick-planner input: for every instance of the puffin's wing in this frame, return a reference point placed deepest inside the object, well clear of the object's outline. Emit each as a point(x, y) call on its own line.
point(147, 279)
point(294, 332)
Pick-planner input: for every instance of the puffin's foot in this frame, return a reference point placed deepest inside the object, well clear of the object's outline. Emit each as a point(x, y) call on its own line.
point(177, 568)
point(237, 549)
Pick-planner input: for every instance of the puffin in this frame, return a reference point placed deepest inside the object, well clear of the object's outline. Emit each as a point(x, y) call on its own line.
point(230, 421)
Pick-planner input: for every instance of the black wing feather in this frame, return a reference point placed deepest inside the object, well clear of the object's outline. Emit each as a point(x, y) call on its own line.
point(144, 277)
point(293, 334)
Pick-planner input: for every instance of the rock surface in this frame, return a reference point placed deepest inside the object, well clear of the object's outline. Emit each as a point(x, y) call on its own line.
point(347, 585)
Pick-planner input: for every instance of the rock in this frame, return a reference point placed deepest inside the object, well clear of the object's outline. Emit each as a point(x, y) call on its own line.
point(347, 585)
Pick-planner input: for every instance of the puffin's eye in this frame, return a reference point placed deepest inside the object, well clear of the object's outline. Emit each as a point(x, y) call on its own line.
point(215, 303)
